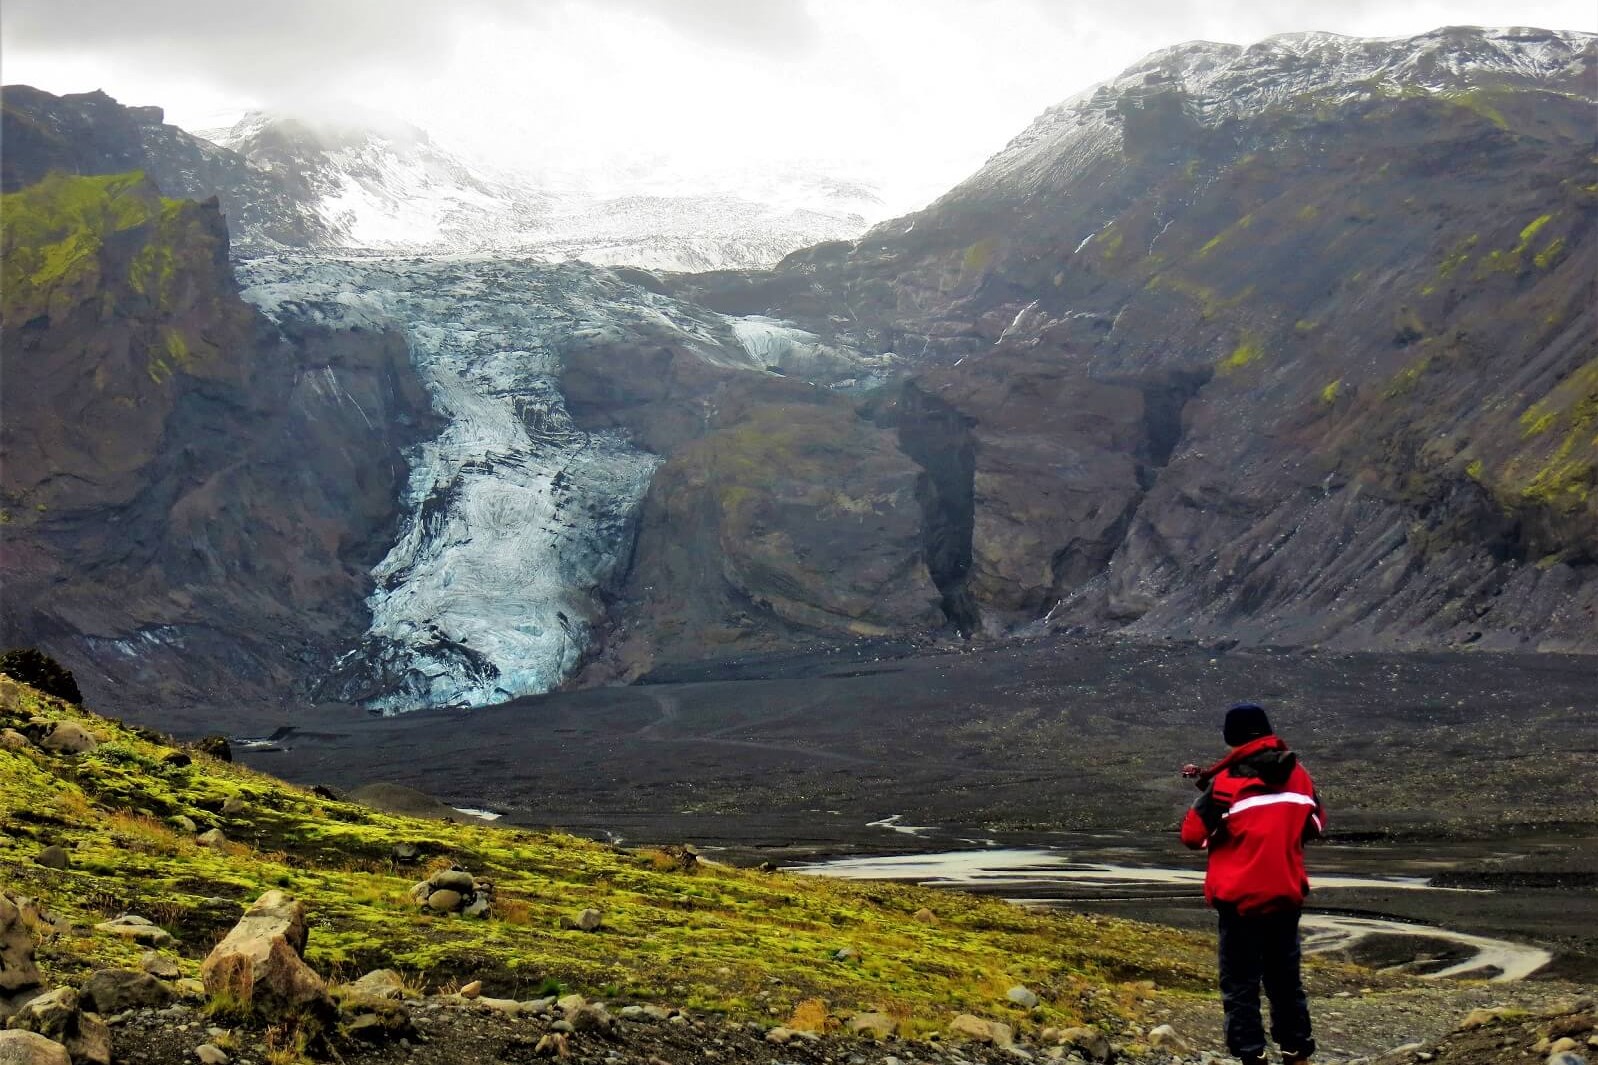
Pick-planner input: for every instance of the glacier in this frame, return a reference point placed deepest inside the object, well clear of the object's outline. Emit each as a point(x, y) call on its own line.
point(514, 517)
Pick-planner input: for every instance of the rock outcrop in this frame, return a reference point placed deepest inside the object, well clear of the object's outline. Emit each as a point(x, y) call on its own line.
point(157, 435)
point(1231, 346)
point(259, 965)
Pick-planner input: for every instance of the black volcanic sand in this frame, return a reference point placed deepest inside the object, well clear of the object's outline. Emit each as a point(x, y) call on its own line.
point(1477, 767)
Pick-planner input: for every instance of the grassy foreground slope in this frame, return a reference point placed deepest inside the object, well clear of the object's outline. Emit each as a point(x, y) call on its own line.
point(711, 937)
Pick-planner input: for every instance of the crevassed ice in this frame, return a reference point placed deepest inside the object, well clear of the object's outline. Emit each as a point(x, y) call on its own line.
point(513, 516)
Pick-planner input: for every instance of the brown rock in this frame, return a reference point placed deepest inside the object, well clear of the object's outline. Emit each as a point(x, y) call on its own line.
point(30, 1048)
point(380, 984)
point(139, 929)
point(977, 1030)
point(472, 990)
point(444, 901)
point(876, 1025)
point(589, 920)
point(260, 963)
point(69, 737)
point(1094, 1044)
point(17, 970)
point(925, 916)
point(12, 740)
point(553, 1045)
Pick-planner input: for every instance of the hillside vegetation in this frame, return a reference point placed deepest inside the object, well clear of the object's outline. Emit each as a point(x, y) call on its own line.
point(699, 935)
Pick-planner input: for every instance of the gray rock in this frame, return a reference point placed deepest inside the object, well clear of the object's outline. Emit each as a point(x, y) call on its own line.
point(1164, 1037)
point(115, 990)
point(478, 907)
point(12, 740)
point(846, 954)
point(53, 857)
point(139, 929)
point(454, 880)
point(214, 838)
point(233, 806)
point(1024, 997)
point(876, 1025)
point(210, 1054)
point(589, 920)
point(380, 983)
point(1566, 1057)
point(159, 965)
point(185, 823)
point(57, 1015)
point(1094, 1044)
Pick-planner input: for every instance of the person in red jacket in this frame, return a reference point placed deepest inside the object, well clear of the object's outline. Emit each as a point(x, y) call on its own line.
point(1257, 808)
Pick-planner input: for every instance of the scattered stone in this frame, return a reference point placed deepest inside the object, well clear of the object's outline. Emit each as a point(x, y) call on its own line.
point(160, 966)
point(405, 852)
point(12, 740)
point(185, 823)
point(589, 920)
point(1093, 1044)
point(779, 1036)
point(569, 1004)
point(553, 1045)
point(114, 990)
point(1566, 1058)
point(1479, 1018)
point(190, 988)
point(30, 1048)
point(211, 1054)
point(1164, 1037)
point(472, 990)
point(1024, 997)
point(847, 954)
point(233, 806)
point(69, 737)
point(508, 1006)
point(214, 838)
point(139, 929)
point(260, 962)
point(924, 916)
point(876, 1025)
point(657, 1013)
point(978, 1030)
point(590, 1018)
point(454, 890)
point(1563, 1045)
point(381, 984)
point(57, 1015)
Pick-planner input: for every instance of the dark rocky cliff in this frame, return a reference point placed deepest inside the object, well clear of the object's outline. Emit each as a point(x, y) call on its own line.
point(1324, 371)
point(191, 503)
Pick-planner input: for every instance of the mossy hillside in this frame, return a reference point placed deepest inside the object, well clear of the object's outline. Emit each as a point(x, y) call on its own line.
point(112, 243)
point(739, 941)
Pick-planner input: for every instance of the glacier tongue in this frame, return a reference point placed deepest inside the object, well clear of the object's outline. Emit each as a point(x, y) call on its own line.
point(514, 517)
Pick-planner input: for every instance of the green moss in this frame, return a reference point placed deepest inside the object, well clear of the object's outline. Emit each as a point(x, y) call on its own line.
point(1247, 351)
point(1532, 229)
point(1330, 393)
point(1481, 102)
point(1111, 242)
point(979, 255)
point(1551, 254)
point(721, 937)
point(1457, 256)
point(1475, 470)
point(1536, 421)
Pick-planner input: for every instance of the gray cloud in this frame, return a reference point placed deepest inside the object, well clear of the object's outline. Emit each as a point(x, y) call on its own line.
point(290, 45)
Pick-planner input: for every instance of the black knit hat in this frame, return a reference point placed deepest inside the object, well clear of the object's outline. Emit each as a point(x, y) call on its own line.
point(1244, 722)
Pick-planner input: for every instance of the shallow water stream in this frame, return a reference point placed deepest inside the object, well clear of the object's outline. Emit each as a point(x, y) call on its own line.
point(1048, 878)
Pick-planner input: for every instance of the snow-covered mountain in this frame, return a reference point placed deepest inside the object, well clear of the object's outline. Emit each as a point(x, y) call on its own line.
point(387, 186)
point(1207, 84)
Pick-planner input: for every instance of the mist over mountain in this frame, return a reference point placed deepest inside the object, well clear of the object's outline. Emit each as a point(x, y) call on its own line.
point(1286, 344)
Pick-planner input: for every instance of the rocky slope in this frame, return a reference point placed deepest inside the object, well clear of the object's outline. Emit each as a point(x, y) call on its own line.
point(192, 502)
point(1291, 343)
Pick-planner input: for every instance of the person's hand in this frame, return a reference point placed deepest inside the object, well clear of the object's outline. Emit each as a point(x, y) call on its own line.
point(1191, 771)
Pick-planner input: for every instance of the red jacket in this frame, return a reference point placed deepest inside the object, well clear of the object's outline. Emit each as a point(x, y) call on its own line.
point(1258, 808)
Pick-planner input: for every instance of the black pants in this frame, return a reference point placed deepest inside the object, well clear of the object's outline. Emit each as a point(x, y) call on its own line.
point(1255, 949)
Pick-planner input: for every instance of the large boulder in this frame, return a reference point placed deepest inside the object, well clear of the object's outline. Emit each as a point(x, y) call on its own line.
point(975, 1029)
point(260, 963)
point(58, 1015)
point(30, 1048)
point(19, 976)
point(114, 990)
point(69, 737)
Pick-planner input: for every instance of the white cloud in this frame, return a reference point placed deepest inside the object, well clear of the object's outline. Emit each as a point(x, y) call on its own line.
point(917, 91)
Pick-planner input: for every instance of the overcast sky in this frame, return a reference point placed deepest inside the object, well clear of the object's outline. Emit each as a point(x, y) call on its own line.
point(914, 93)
